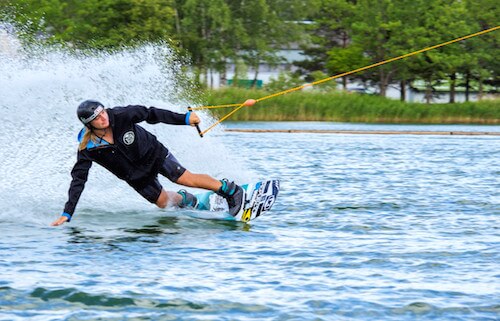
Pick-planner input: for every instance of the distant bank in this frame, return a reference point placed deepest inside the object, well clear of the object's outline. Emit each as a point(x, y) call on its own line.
point(364, 132)
point(350, 107)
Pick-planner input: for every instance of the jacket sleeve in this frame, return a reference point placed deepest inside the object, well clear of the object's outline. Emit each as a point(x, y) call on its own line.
point(79, 174)
point(151, 115)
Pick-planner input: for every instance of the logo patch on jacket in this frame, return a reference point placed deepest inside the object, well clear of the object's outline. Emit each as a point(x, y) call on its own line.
point(128, 137)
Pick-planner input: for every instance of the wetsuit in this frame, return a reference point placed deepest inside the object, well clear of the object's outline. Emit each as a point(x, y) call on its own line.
point(136, 156)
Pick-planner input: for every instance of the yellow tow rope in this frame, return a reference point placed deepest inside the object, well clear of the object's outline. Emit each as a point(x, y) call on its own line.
point(239, 106)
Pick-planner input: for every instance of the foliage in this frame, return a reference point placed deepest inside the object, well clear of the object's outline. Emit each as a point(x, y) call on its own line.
point(349, 107)
point(336, 35)
point(285, 80)
point(378, 30)
point(96, 23)
point(218, 32)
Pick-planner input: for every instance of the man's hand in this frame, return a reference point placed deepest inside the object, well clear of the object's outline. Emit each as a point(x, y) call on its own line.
point(194, 119)
point(59, 221)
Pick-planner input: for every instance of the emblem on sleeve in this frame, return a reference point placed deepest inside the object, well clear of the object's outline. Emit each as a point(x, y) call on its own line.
point(128, 137)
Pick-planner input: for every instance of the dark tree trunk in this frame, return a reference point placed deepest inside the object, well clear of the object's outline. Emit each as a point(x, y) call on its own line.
point(255, 76)
point(467, 86)
point(402, 90)
point(481, 89)
point(428, 92)
point(453, 81)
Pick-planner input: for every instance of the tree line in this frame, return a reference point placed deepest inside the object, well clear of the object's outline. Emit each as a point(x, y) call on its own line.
point(336, 35)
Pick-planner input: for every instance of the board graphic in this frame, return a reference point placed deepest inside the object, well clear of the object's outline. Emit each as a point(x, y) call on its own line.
point(259, 197)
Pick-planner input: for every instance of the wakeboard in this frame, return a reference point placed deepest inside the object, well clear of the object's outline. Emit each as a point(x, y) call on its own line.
point(258, 199)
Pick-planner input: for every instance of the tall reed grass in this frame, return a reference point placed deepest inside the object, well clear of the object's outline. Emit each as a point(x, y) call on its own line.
point(349, 107)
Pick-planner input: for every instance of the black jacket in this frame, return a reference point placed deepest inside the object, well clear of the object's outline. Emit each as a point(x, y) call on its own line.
point(135, 156)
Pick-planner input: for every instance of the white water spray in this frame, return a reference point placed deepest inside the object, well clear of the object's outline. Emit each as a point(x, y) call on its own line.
point(39, 92)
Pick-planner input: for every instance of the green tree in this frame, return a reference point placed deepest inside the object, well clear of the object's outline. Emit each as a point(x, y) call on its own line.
point(97, 23)
point(34, 17)
point(210, 34)
point(217, 32)
point(439, 21)
point(330, 30)
point(410, 36)
point(482, 63)
point(378, 30)
point(341, 60)
point(267, 31)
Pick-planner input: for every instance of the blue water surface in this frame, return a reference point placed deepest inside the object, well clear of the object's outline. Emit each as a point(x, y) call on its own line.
point(366, 227)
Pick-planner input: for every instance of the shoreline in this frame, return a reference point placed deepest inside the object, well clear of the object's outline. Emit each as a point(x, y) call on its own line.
point(336, 106)
point(364, 132)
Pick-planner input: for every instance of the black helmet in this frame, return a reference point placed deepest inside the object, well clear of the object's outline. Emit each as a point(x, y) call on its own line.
point(88, 110)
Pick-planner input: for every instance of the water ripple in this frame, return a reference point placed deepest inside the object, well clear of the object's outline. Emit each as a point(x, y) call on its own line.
point(365, 228)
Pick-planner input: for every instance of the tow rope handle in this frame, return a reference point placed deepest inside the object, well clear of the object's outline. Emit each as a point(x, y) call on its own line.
point(196, 125)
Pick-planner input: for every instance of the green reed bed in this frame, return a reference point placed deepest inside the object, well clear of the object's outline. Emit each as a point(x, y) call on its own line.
point(349, 107)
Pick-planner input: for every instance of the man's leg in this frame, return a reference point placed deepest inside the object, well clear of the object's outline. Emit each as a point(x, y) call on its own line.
point(229, 190)
point(154, 193)
point(167, 198)
point(174, 171)
point(199, 180)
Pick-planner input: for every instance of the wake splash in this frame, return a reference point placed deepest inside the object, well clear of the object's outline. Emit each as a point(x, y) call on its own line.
point(40, 89)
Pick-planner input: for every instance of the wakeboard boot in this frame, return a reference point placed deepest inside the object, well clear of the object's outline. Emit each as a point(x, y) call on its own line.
point(233, 194)
point(188, 199)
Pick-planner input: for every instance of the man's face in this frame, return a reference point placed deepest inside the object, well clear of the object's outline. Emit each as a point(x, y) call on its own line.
point(101, 121)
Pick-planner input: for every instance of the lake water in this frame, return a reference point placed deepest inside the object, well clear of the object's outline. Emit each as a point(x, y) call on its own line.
point(366, 227)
